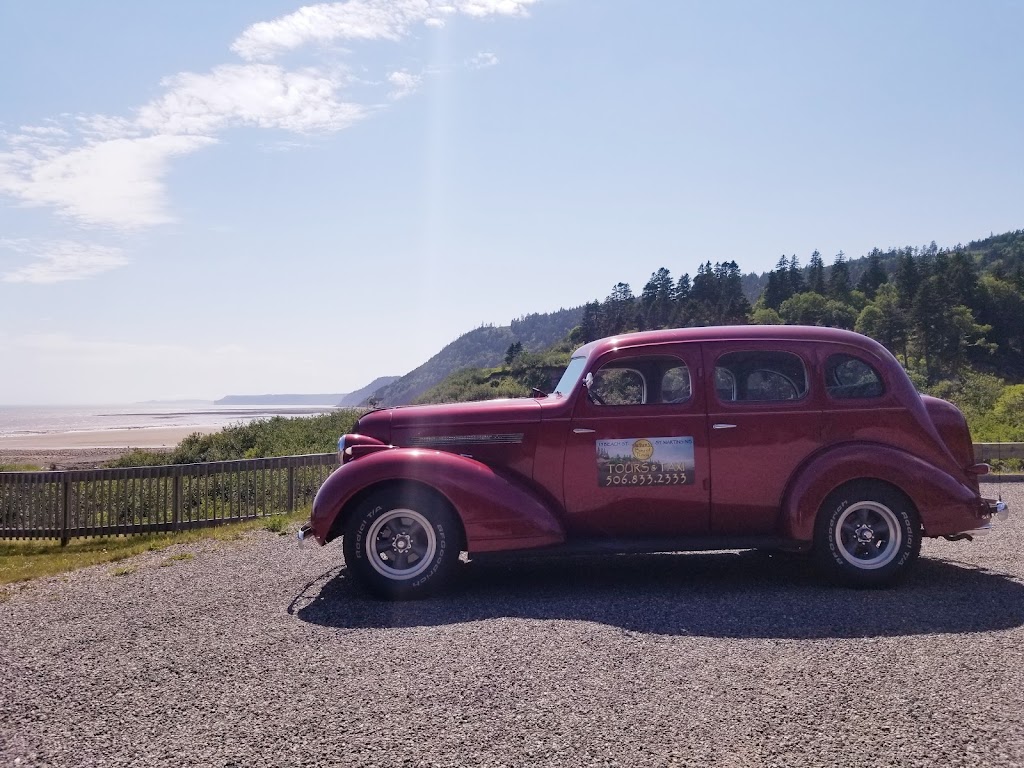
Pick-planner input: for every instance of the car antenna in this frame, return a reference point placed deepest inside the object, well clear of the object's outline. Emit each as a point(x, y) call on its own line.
point(999, 475)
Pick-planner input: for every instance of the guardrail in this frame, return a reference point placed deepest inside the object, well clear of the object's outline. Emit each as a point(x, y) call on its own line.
point(986, 452)
point(106, 502)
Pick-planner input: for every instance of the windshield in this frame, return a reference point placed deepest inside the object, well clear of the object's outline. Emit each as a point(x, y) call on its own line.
point(571, 376)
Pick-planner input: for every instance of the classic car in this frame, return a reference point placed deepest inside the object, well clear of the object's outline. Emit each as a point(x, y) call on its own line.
point(806, 439)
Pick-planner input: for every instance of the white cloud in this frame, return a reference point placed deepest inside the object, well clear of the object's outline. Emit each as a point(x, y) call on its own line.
point(43, 130)
point(261, 95)
point(482, 60)
point(108, 170)
point(403, 84)
point(114, 183)
point(61, 261)
point(360, 20)
point(480, 8)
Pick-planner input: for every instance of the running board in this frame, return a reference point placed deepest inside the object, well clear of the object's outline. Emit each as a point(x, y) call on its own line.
point(651, 546)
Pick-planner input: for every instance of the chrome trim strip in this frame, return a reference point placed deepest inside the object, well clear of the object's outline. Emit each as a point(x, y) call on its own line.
point(506, 438)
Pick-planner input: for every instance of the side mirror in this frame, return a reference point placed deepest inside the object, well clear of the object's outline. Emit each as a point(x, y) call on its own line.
point(588, 380)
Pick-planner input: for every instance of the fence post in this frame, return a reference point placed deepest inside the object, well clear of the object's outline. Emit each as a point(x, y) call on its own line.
point(176, 500)
point(291, 489)
point(65, 504)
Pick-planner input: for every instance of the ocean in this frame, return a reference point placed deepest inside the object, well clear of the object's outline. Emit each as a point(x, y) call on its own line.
point(61, 419)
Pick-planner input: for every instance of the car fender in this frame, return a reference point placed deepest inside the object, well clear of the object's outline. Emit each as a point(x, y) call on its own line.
point(944, 504)
point(497, 511)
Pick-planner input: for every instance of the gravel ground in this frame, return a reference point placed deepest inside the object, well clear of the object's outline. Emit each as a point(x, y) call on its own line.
point(255, 653)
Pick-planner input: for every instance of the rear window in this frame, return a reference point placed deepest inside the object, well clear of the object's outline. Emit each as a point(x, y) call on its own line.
point(760, 377)
point(850, 378)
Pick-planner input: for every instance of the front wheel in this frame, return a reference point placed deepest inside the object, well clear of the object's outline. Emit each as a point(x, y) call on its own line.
point(401, 543)
point(866, 534)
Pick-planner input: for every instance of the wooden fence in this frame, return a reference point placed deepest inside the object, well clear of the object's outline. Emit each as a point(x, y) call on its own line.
point(105, 502)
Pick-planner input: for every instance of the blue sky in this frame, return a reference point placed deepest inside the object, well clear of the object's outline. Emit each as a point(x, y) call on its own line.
point(201, 198)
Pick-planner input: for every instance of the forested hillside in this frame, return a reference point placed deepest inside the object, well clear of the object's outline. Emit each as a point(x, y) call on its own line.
point(953, 316)
point(482, 347)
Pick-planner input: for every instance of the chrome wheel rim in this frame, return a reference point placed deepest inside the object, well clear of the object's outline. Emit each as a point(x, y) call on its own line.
point(401, 544)
point(868, 535)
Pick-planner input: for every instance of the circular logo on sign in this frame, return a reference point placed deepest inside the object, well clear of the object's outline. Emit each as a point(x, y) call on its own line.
point(643, 449)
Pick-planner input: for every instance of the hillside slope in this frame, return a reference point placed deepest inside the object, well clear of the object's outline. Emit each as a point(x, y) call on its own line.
point(480, 348)
point(353, 399)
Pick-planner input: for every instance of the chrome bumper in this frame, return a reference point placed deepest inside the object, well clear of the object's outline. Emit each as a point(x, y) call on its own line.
point(305, 532)
point(998, 509)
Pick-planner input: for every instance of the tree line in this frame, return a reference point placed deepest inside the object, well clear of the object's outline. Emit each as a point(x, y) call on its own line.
point(941, 311)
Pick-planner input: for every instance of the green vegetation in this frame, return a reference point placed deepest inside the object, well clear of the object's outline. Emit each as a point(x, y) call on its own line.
point(177, 558)
point(953, 316)
point(278, 436)
point(24, 560)
point(521, 372)
point(19, 468)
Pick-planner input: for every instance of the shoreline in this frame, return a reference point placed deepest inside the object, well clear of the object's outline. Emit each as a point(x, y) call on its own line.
point(88, 449)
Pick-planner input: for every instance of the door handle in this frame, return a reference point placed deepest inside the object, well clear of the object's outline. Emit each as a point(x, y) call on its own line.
point(581, 431)
point(723, 426)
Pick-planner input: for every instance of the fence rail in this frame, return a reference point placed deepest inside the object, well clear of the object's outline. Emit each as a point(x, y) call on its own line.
point(105, 502)
point(998, 451)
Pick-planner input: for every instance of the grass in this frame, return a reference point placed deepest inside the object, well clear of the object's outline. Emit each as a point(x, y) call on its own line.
point(20, 468)
point(24, 560)
point(175, 558)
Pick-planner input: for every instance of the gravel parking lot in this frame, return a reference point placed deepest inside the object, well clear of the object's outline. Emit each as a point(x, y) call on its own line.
point(255, 653)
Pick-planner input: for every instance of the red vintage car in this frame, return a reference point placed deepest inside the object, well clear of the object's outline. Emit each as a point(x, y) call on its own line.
point(800, 438)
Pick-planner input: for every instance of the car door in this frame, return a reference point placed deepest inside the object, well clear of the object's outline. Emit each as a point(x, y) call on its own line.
point(764, 419)
point(636, 454)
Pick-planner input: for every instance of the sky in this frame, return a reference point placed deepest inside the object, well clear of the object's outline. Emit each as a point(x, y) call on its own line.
point(200, 199)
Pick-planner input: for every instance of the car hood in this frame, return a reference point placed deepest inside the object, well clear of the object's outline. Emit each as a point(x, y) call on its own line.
point(387, 425)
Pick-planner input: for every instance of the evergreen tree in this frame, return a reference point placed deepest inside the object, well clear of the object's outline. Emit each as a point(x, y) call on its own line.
point(908, 278)
point(816, 277)
point(514, 350)
point(682, 292)
point(962, 277)
point(705, 286)
point(618, 311)
point(656, 300)
point(590, 324)
point(733, 306)
point(873, 276)
point(839, 286)
point(796, 276)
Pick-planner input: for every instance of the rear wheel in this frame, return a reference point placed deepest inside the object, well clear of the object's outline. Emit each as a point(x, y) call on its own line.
point(402, 543)
point(866, 534)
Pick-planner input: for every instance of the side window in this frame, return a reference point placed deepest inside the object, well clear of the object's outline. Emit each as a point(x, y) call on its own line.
point(849, 378)
point(725, 384)
point(655, 379)
point(760, 377)
point(618, 386)
point(675, 384)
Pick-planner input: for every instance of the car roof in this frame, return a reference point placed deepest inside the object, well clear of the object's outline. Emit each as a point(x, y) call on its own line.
point(812, 333)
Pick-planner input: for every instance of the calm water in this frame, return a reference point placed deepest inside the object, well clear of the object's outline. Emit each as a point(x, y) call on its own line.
point(36, 420)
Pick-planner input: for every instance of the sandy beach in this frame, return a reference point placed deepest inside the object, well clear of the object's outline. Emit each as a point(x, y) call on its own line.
point(75, 450)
